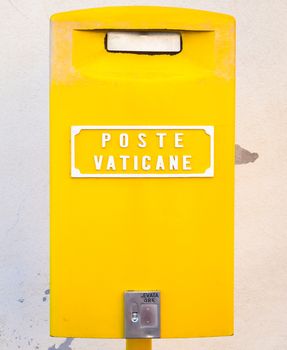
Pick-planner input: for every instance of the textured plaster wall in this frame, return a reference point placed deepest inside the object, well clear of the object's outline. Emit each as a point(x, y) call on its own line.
point(261, 238)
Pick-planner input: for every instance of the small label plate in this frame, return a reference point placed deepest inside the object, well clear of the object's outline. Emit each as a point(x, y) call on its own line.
point(142, 151)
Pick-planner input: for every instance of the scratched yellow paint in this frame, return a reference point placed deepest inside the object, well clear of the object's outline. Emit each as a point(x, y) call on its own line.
point(171, 234)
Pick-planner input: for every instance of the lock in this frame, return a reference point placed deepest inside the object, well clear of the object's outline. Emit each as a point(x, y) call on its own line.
point(142, 314)
point(135, 317)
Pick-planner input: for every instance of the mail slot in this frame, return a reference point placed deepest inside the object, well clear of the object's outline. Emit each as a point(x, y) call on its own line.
point(142, 173)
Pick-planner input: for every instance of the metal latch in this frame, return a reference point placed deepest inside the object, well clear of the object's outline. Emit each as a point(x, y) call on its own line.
point(142, 314)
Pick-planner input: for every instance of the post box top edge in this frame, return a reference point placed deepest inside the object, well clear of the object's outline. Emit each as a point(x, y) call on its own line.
point(140, 15)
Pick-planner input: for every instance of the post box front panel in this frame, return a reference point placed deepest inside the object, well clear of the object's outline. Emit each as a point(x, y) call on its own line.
point(122, 223)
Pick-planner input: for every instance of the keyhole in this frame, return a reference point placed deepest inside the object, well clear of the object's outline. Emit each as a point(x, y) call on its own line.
point(135, 317)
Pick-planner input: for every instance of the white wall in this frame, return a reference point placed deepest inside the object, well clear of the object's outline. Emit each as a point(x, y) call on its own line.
point(261, 238)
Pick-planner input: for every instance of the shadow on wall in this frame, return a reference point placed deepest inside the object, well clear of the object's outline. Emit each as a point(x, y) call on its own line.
point(63, 346)
point(242, 156)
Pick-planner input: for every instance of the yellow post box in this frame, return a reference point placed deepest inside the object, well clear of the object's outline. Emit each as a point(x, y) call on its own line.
point(142, 159)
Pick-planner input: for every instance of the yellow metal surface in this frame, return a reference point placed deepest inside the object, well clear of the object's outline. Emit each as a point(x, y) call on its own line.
point(172, 234)
point(138, 344)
